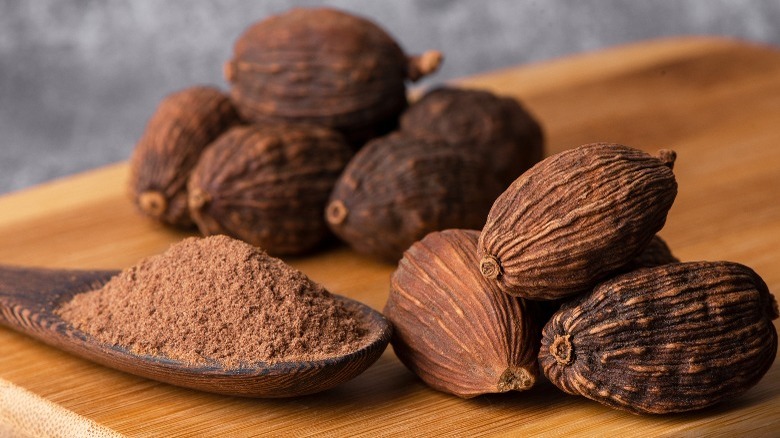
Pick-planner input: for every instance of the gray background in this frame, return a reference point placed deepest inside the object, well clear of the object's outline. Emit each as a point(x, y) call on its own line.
point(80, 78)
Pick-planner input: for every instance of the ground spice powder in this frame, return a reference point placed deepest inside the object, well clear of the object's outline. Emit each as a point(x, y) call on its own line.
point(217, 299)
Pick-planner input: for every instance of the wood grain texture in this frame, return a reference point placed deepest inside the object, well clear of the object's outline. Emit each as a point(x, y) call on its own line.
point(23, 414)
point(715, 102)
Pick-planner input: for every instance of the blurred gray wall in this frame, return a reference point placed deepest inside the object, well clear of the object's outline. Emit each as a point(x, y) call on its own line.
point(79, 78)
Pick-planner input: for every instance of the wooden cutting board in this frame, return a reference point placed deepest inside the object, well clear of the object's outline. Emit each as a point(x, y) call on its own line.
point(716, 102)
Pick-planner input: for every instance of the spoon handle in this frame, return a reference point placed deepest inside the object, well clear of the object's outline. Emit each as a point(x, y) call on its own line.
point(29, 296)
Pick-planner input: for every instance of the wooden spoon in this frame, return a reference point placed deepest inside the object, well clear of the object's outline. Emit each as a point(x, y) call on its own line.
point(29, 297)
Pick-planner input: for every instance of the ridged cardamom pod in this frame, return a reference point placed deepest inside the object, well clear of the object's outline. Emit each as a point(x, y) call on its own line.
point(325, 67)
point(268, 185)
point(183, 125)
point(575, 218)
point(454, 329)
point(498, 128)
point(399, 188)
point(656, 253)
point(672, 338)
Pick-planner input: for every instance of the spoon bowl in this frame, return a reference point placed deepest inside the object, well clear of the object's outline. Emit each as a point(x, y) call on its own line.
point(30, 296)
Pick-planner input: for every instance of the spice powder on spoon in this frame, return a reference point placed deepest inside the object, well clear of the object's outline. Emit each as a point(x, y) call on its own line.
point(217, 299)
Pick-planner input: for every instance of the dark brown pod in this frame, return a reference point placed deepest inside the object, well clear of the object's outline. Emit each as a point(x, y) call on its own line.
point(667, 339)
point(656, 253)
point(456, 331)
point(576, 218)
point(496, 127)
point(183, 125)
point(324, 67)
point(399, 188)
point(268, 185)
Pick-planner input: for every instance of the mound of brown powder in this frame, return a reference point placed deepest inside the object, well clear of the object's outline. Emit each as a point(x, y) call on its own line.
point(217, 299)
